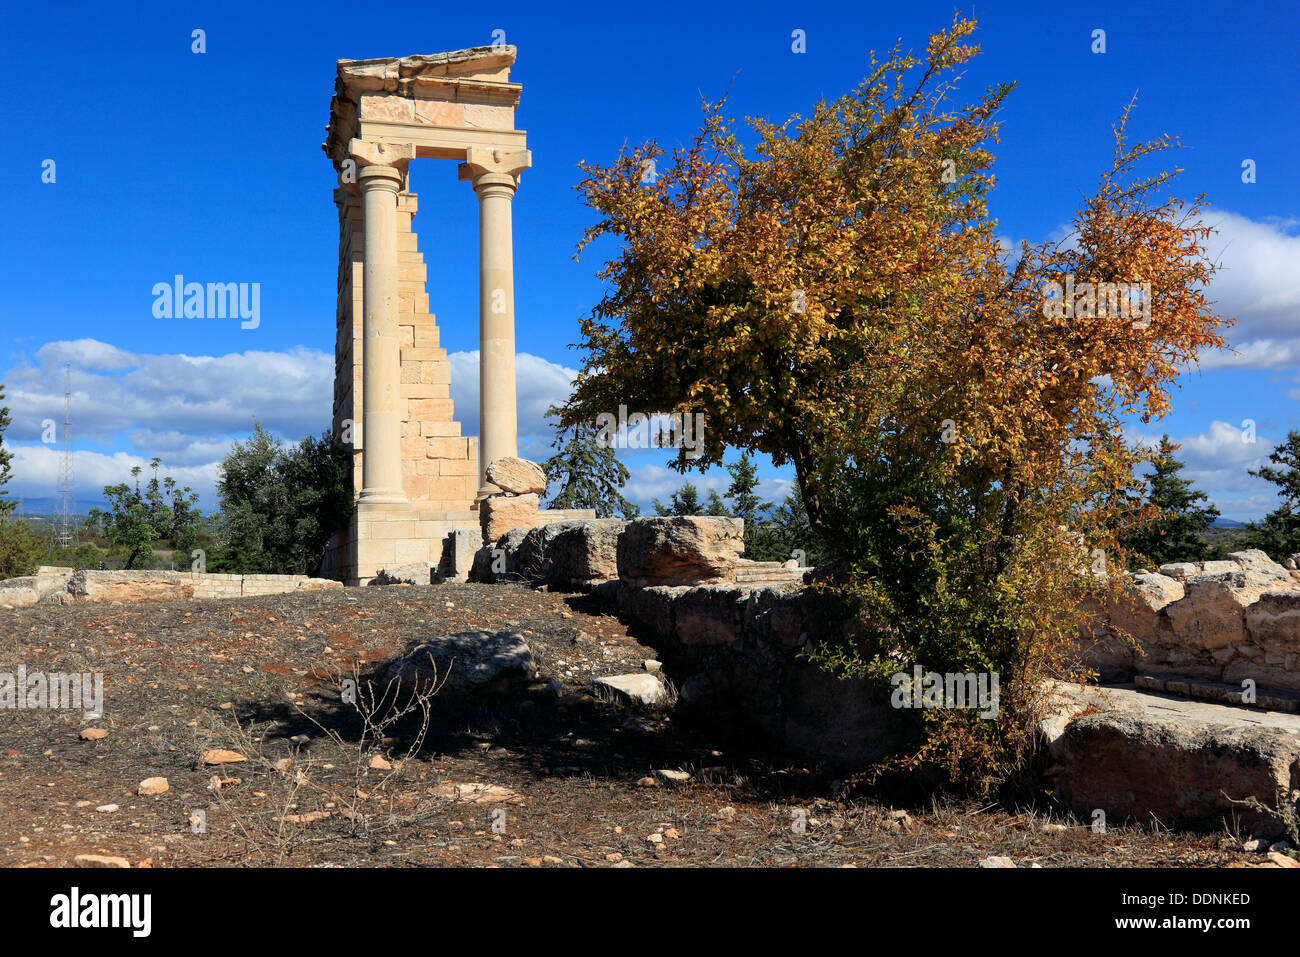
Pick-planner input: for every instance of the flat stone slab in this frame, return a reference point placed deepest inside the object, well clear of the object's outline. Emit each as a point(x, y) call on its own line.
point(643, 688)
point(1146, 756)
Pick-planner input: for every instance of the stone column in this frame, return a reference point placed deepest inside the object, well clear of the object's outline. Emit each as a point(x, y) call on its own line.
point(381, 176)
point(495, 175)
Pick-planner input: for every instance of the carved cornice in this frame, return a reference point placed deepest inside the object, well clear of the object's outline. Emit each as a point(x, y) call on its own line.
point(478, 74)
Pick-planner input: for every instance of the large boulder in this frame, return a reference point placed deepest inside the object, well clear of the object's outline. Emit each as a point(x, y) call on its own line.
point(585, 553)
point(1145, 757)
point(28, 590)
point(466, 663)
point(679, 550)
point(517, 476)
point(499, 514)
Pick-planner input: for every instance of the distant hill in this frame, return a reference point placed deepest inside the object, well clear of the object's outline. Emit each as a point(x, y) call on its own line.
point(1227, 523)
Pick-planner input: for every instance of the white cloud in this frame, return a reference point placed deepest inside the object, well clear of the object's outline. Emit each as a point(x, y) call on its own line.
point(1258, 283)
point(1217, 463)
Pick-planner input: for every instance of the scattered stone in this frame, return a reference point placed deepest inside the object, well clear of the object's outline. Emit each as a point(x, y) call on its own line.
point(655, 838)
point(552, 859)
point(499, 514)
point(379, 763)
point(652, 666)
point(517, 476)
point(672, 834)
point(283, 765)
point(1282, 860)
point(1255, 846)
point(93, 734)
point(151, 786)
point(725, 813)
point(669, 776)
point(100, 860)
point(107, 808)
point(221, 756)
point(311, 817)
point(642, 689)
point(476, 793)
point(679, 550)
point(614, 857)
point(997, 862)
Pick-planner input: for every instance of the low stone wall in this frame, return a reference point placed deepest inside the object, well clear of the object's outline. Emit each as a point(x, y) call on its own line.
point(1222, 621)
point(63, 585)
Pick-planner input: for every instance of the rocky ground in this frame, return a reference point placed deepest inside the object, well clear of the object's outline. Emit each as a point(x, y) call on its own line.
point(556, 775)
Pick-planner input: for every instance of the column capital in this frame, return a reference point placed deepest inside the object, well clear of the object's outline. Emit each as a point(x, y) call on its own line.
point(394, 156)
point(489, 167)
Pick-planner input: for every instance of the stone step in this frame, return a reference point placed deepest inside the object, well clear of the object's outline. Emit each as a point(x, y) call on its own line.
point(1268, 699)
point(1148, 757)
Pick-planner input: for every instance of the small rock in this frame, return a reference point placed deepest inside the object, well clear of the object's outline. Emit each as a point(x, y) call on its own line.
point(614, 857)
point(153, 786)
point(107, 808)
point(997, 862)
point(669, 776)
point(672, 834)
point(647, 782)
point(1282, 860)
point(93, 734)
point(100, 860)
point(725, 813)
point(309, 818)
point(652, 666)
point(221, 756)
point(1255, 846)
point(552, 859)
point(379, 763)
point(655, 838)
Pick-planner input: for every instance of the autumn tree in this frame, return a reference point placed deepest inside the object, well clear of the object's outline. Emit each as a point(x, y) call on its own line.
point(1176, 535)
point(834, 295)
point(588, 473)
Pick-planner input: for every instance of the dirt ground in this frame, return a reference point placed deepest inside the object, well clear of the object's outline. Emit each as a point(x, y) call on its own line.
point(562, 777)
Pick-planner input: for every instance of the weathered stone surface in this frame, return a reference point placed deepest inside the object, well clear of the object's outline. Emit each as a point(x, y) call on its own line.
point(584, 554)
point(679, 550)
point(129, 586)
point(28, 590)
point(643, 688)
point(459, 551)
point(100, 860)
point(472, 662)
point(517, 475)
point(1145, 757)
point(1211, 631)
point(499, 514)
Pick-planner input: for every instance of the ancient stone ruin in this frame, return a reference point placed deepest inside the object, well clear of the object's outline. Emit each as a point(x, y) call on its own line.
point(416, 477)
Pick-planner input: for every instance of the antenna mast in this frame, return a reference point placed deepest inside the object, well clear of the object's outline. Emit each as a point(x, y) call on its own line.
point(64, 536)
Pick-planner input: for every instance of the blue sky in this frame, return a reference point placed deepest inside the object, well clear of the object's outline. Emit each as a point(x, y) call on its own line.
point(209, 165)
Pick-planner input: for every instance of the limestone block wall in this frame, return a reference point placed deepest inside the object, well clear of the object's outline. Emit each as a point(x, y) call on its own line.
point(439, 465)
point(62, 585)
